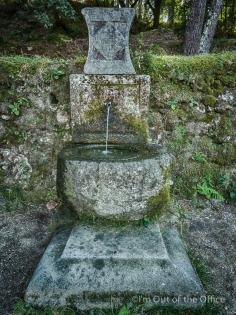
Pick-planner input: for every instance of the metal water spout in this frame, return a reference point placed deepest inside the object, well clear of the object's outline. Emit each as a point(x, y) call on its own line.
point(108, 105)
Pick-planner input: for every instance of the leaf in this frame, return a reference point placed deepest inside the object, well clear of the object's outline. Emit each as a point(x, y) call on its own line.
point(146, 221)
point(123, 311)
point(205, 188)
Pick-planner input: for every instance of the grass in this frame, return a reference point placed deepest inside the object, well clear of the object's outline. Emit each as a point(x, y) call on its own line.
point(21, 308)
point(201, 268)
point(13, 198)
point(13, 66)
point(182, 67)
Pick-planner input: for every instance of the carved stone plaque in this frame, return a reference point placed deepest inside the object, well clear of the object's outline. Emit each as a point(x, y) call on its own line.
point(108, 40)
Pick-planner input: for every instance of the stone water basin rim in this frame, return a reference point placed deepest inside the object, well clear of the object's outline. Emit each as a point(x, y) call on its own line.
point(95, 152)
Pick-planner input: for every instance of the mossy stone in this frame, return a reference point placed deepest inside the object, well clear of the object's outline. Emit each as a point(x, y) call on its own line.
point(209, 100)
point(157, 203)
point(138, 125)
point(95, 110)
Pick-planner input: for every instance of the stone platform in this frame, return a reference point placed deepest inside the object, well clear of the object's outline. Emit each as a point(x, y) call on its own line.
point(104, 267)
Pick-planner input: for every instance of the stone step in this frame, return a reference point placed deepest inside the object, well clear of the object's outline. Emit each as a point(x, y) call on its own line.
point(86, 242)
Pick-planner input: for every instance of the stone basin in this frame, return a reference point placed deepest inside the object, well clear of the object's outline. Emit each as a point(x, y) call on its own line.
point(125, 184)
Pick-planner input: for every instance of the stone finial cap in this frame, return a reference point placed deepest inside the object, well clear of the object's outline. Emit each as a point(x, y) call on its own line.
point(108, 40)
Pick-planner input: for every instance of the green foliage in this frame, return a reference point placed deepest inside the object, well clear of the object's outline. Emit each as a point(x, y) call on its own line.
point(157, 49)
point(157, 203)
point(199, 157)
point(124, 311)
point(15, 107)
point(206, 189)
point(227, 183)
point(57, 73)
point(201, 267)
point(182, 80)
point(14, 197)
point(188, 69)
point(146, 221)
point(21, 308)
point(13, 66)
point(172, 104)
point(46, 11)
point(209, 100)
point(80, 60)
point(179, 140)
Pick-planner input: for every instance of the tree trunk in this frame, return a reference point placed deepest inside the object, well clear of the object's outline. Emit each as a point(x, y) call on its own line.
point(210, 27)
point(171, 13)
point(156, 13)
point(194, 26)
point(232, 14)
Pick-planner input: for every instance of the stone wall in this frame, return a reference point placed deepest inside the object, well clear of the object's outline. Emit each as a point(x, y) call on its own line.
point(193, 113)
point(193, 105)
point(34, 122)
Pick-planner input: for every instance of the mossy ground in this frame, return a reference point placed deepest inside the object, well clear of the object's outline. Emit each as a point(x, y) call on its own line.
point(180, 79)
point(209, 309)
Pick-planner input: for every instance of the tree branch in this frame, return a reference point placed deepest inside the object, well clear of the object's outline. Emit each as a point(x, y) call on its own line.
point(134, 3)
point(150, 5)
point(122, 3)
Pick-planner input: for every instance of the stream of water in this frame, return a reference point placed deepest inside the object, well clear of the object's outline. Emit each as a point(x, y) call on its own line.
point(107, 128)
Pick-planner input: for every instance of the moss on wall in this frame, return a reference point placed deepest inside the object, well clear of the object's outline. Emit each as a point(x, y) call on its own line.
point(138, 125)
point(157, 203)
point(95, 111)
point(209, 100)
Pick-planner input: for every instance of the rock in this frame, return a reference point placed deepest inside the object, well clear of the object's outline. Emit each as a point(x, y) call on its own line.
point(4, 108)
point(62, 117)
point(127, 187)
point(5, 117)
point(198, 128)
point(226, 97)
point(2, 129)
point(223, 108)
point(16, 166)
point(51, 205)
point(2, 204)
point(106, 267)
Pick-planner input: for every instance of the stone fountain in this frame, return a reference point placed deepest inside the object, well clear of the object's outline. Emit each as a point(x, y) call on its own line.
point(110, 258)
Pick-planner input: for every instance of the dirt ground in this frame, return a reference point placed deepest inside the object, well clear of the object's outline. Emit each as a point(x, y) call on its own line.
point(210, 236)
point(23, 238)
point(208, 229)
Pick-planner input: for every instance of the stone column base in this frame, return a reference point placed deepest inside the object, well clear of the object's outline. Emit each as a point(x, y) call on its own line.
point(107, 267)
